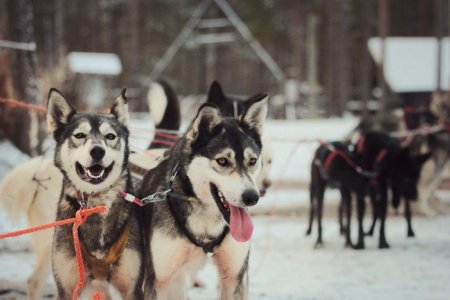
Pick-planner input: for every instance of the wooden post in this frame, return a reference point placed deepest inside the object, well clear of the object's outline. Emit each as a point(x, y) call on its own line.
point(383, 27)
point(20, 126)
point(311, 49)
point(438, 30)
point(365, 65)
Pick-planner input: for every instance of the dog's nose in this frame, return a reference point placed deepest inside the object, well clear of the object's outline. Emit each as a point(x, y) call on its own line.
point(267, 183)
point(250, 197)
point(97, 153)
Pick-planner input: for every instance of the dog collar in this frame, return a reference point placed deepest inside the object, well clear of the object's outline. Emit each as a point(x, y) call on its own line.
point(162, 195)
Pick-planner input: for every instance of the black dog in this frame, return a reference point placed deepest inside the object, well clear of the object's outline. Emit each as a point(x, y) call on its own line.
point(394, 167)
point(334, 165)
point(377, 162)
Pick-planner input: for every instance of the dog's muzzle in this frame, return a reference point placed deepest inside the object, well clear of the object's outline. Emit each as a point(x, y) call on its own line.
point(94, 174)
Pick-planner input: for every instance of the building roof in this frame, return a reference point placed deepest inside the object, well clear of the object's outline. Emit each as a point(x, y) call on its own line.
point(411, 63)
point(94, 63)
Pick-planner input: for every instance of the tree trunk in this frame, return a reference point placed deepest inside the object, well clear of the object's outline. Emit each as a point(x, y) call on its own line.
point(383, 26)
point(365, 65)
point(19, 125)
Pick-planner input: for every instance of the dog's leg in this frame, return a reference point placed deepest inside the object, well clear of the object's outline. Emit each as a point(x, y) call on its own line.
point(319, 210)
point(361, 204)
point(313, 186)
point(429, 181)
point(341, 208)
point(231, 258)
point(41, 271)
point(65, 273)
point(373, 202)
point(169, 255)
point(312, 201)
point(408, 217)
point(383, 210)
point(346, 204)
point(127, 278)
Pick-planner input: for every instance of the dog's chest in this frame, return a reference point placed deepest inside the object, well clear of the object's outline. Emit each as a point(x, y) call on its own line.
point(99, 231)
point(206, 222)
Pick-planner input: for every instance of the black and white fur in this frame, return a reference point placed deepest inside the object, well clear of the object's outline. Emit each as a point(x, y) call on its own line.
point(234, 107)
point(164, 108)
point(92, 153)
point(216, 161)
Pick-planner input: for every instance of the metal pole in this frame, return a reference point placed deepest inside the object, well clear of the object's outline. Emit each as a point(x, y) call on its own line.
point(383, 25)
point(438, 30)
point(180, 39)
point(311, 48)
point(248, 36)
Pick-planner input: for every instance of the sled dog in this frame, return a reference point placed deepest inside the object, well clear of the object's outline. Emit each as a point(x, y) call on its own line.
point(92, 154)
point(205, 185)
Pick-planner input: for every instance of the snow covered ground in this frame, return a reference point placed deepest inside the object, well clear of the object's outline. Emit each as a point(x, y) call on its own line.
point(283, 263)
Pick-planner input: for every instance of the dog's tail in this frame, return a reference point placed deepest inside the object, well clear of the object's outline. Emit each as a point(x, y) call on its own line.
point(19, 187)
point(164, 105)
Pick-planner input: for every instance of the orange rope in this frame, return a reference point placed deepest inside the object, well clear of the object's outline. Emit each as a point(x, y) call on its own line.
point(16, 103)
point(79, 219)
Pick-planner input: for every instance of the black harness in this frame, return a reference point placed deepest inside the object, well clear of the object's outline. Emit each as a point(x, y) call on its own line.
point(167, 195)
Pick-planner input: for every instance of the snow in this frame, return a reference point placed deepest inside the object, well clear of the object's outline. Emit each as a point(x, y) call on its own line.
point(94, 63)
point(283, 263)
point(411, 63)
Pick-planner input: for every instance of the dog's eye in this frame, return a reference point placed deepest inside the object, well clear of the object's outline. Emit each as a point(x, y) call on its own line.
point(79, 135)
point(223, 162)
point(110, 136)
point(252, 161)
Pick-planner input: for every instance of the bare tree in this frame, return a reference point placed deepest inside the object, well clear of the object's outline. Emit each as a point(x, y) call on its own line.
point(21, 126)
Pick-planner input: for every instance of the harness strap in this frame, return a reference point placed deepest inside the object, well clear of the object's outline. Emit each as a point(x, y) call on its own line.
point(101, 267)
point(208, 247)
point(361, 144)
point(336, 152)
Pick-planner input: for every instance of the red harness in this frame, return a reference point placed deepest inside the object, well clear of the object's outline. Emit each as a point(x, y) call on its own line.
point(166, 139)
point(359, 148)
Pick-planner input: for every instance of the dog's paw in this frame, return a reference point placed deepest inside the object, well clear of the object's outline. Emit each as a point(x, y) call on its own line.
point(318, 245)
point(359, 246)
point(369, 233)
point(308, 231)
point(411, 233)
point(383, 245)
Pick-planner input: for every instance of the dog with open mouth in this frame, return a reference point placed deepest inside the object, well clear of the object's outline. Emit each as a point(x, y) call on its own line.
point(204, 188)
point(92, 154)
point(234, 107)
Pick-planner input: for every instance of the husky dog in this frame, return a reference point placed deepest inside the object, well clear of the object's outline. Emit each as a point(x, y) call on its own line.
point(164, 107)
point(433, 117)
point(92, 153)
point(33, 189)
point(334, 165)
point(233, 107)
point(376, 162)
point(396, 167)
point(207, 181)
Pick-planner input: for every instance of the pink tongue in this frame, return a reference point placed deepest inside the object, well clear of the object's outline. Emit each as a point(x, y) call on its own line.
point(241, 225)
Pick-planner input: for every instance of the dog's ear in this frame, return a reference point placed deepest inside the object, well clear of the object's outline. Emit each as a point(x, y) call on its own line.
point(120, 108)
point(256, 112)
point(207, 118)
point(59, 111)
point(215, 94)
